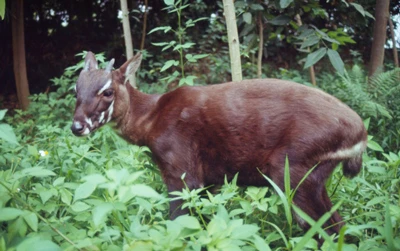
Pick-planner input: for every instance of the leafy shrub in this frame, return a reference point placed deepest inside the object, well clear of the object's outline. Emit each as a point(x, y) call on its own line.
point(60, 192)
point(376, 98)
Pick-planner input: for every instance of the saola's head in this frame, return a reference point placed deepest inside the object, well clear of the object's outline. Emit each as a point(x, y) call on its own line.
point(96, 92)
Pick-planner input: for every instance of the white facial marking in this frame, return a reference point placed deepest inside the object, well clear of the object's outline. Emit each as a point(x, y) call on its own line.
point(86, 131)
point(110, 111)
point(77, 124)
point(101, 118)
point(89, 122)
point(105, 87)
point(355, 150)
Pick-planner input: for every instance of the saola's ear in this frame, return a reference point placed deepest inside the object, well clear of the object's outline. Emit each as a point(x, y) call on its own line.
point(90, 62)
point(131, 66)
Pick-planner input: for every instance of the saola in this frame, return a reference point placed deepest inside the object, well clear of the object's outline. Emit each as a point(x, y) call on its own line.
point(211, 131)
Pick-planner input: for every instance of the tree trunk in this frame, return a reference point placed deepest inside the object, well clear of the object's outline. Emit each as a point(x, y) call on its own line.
point(395, 55)
point(128, 37)
point(233, 40)
point(18, 45)
point(379, 36)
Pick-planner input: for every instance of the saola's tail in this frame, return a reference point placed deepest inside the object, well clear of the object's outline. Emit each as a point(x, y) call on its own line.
point(351, 167)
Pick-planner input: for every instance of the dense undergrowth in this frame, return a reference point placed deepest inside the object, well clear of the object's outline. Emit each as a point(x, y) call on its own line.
point(60, 192)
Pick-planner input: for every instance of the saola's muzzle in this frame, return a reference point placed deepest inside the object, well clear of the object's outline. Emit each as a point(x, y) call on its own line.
point(79, 129)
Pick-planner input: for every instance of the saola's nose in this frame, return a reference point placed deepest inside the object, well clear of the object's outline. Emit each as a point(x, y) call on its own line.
point(78, 129)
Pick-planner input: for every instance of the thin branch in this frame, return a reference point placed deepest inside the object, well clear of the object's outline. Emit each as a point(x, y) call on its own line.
point(312, 72)
point(144, 24)
point(260, 44)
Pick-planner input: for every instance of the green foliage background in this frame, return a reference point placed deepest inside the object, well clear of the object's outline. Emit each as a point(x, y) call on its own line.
point(60, 192)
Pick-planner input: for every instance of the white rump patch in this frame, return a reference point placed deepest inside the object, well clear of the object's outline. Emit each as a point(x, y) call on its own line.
point(346, 153)
point(105, 87)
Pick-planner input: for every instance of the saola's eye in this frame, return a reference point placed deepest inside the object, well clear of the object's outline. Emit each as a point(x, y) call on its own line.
point(108, 93)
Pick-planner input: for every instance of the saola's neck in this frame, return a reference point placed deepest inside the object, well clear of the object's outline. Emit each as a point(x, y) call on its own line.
point(132, 113)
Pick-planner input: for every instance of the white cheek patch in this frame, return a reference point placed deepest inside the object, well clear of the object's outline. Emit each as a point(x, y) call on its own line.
point(110, 112)
point(101, 118)
point(89, 122)
point(86, 131)
point(105, 87)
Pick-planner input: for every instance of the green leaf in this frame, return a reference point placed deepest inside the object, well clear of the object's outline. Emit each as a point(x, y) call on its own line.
point(285, 3)
point(310, 41)
point(80, 206)
point(84, 190)
point(375, 200)
point(32, 220)
point(37, 172)
point(66, 196)
point(163, 28)
point(32, 150)
point(144, 191)
point(8, 213)
point(374, 146)
point(280, 20)
point(190, 58)
point(247, 17)
point(200, 56)
point(316, 226)
point(283, 198)
point(184, 46)
point(160, 44)
point(260, 243)
point(45, 194)
point(169, 2)
point(256, 6)
point(169, 64)
point(336, 61)
point(359, 8)
point(187, 80)
point(2, 10)
point(2, 244)
point(245, 231)
point(314, 57)
point(95, 178)
point(2, 112)
point(37, 243)
point(7, 133)
point(187, 221)
point(366, 122)
point(388, 228)
point(59, 181)
point(100, 213)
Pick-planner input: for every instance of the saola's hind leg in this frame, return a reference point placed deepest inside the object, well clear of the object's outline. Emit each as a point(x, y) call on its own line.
point(313, 198)
point(315, 203)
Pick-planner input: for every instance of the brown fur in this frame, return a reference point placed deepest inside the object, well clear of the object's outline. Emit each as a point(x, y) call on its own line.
point(212, 131)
